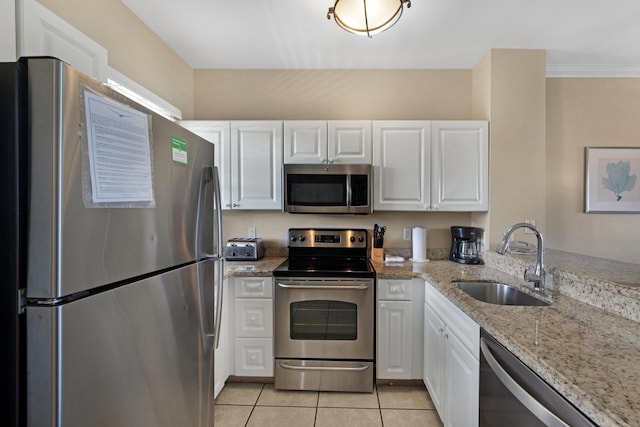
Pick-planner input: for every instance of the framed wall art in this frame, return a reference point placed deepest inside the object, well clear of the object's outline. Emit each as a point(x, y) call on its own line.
point(611, 180)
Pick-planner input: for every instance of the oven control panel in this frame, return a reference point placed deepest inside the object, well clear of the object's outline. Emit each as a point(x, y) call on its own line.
point(325, 238)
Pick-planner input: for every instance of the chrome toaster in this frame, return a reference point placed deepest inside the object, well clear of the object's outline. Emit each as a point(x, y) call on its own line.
point(244, 249)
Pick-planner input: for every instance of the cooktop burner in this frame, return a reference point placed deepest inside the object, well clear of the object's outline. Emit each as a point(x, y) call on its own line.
point(327, 252)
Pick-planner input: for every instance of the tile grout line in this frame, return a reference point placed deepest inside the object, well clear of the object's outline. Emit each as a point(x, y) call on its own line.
point(254, 406)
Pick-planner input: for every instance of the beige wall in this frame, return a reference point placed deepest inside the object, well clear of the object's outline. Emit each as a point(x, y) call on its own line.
point(272, 226)
point(332, 94)
point(517, 149)
point(583, 113)
point(134, 49)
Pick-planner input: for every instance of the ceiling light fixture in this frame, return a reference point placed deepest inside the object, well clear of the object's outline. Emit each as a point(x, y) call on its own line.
point(367, 17)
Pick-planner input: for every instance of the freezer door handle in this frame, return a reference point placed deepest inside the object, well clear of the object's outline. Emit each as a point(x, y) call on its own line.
point(209, 178)
point(218, 213)
point(205, 180)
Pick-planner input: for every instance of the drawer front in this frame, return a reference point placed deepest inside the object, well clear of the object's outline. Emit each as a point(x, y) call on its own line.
point(254, 357)
point(253, 287)
point(254, 318)
point(395, 290)
point(465, 329)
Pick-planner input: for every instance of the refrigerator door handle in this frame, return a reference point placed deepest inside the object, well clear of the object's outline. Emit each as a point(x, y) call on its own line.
point(208, 329)
point(219, 283)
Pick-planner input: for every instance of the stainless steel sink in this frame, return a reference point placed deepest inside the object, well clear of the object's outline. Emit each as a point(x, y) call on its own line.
point(498, 293)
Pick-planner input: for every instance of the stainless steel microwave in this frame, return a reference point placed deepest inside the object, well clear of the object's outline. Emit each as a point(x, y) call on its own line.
point(327, 188)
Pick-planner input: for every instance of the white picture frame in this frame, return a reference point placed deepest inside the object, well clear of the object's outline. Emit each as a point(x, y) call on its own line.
point(611, 180)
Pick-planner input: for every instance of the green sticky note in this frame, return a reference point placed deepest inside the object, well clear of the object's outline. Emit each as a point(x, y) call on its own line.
point(178, 149)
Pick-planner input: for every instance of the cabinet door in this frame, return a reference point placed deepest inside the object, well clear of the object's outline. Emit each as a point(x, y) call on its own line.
point(256, 165)
point(434, 357)
point(305, 141)
point(43, 33)
point(349, 142)
point(394, 340)
point(401, 160)
point(216, 132)
point(461, 386)
point(460, 161)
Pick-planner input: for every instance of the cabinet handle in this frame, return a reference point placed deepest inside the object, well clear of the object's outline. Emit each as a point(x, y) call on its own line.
point(235, 205)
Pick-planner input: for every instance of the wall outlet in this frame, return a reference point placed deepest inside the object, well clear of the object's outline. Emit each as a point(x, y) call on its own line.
point(252, 232)
point(406, 233)
point(532, 222)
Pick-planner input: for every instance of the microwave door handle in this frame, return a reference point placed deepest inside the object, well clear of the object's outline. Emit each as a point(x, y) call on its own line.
point(349, 190)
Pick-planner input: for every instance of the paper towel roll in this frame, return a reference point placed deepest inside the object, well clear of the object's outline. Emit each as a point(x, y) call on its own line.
point(419, 243)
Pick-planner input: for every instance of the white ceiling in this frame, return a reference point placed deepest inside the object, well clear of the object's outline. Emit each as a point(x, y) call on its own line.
point(581, 37)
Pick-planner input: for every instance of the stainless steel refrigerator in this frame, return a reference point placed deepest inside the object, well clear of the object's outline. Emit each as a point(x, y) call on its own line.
point(110, 232)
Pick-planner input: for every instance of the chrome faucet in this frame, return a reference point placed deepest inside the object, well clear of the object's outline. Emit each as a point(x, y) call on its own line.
point(533, 273)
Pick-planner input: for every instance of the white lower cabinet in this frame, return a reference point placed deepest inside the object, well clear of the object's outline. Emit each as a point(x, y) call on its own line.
point(451, 360)
point(399, 329)
point(253, 326)
point(223, 357)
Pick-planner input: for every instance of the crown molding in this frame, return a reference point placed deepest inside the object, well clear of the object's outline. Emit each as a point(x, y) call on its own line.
point(593, 71)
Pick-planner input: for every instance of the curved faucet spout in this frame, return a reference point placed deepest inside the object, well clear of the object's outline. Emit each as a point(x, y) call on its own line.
point(535, 274)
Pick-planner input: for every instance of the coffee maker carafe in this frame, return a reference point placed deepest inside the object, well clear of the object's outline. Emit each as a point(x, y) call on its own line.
point(465, 245)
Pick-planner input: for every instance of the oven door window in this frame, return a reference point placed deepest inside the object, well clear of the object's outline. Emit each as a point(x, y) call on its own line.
point(316, 190)
point(323, 320)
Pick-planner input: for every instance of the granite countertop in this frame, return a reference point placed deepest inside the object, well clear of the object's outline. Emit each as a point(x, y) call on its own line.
point(263, 266)
point(588, 354)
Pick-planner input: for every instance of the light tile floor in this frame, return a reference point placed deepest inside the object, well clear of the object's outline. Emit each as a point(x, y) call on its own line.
point(255, 404)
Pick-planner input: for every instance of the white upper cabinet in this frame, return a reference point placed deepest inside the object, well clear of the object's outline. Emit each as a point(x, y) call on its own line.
point(349, 141)
point(8, 31)
point(459, 165)
point(256, 165)
point(318, 141)
point(401, 160)
point(431, 165)
point(219, 134)
point(40, 32)
point(305, 141)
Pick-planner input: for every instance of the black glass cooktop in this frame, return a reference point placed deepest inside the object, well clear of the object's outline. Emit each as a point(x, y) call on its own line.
point(325, 266)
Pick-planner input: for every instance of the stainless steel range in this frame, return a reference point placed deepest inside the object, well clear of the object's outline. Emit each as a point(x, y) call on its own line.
point(324, 312)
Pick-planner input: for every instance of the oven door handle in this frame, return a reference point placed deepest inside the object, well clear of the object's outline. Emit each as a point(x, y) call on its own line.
point(327, 286)
point(323, 368)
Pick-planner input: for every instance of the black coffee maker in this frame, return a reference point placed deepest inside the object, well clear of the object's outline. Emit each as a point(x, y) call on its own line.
point(465, 245)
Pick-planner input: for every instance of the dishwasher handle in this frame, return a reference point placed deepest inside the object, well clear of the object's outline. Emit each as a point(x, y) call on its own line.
point(531, 403)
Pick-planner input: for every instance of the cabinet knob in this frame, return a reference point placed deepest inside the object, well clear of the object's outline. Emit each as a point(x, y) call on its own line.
point(235, 205)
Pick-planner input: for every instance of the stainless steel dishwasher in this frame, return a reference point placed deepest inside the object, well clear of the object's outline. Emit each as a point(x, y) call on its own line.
point(511, 394)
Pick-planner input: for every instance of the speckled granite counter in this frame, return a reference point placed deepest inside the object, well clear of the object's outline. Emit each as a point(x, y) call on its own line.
point(589, 355)
point(262, 267)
